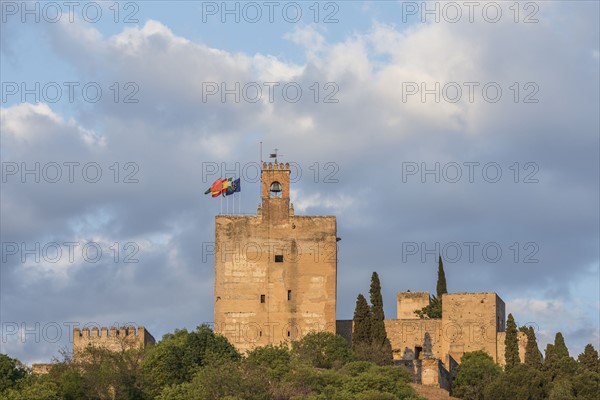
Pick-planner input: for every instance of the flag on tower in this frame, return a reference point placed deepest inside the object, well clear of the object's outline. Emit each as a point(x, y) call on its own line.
point(216, 188)
point(226, 186)
point(233, 187)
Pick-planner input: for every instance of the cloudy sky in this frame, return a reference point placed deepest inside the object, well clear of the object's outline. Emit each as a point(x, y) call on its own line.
point(470, 131)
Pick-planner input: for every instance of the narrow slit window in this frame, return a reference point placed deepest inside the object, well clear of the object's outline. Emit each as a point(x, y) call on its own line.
point(279, 258)
point(262, 298)
point(288, 333)
point(289, 295)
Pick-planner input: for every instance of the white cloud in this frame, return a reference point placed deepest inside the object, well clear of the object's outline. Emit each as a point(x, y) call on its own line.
point(171, 134)
point(335, 204)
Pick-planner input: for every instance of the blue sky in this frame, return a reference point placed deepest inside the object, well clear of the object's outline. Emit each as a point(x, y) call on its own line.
point(416, 152)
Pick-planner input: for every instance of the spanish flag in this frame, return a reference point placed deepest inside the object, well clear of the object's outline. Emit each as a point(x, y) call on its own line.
point(226, 185)
point(216, 188)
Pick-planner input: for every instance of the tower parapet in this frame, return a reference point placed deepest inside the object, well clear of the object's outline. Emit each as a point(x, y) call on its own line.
point(119, 339)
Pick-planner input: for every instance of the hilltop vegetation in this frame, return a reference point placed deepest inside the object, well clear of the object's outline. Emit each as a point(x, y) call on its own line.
point(557, 377)
point(200, 365)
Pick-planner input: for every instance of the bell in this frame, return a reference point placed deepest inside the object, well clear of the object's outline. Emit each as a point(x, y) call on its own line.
point(276, 187)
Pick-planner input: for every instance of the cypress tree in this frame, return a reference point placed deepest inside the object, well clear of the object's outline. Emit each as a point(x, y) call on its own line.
point(511, 344)
point(377, 326)
point(532, 353)
point(560, 347)
point(589, 359)
point(558, 364)
point(378, 333)
point(441, 280)
point(550, 361)
point(361, 332)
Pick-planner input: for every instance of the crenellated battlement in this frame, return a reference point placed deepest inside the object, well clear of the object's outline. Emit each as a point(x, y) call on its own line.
point(125, 331)
point(113, 338)
point(275, 166)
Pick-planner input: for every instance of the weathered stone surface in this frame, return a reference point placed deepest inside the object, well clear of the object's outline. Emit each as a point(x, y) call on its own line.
point(406, 336)
point(41, 369)
point(408, 302)
point(471, 322)
point(118, 339)
point(275, 273)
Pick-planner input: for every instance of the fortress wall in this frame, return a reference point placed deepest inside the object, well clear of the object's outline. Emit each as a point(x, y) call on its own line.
point(113, 339)
point(406, 335)
point(471, 322)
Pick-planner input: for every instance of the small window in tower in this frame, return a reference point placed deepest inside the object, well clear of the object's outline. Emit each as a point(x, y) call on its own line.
point(279, 258)
point(289, 295)
point(288, 333)
point(262, 298)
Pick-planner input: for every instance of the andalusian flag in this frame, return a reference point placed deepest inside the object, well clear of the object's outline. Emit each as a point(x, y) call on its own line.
point(233, 186)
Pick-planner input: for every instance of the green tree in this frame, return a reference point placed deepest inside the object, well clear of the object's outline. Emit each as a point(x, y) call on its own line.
point(562, 390)
point(519, 382)
point(11, 372)
point(533, 357)
point(361, 333)
point(589, 359)
point(476, 371)
point(322, 350)
point(176, 358)
point(434, 309)
point(379, 337)
point(511, 344)
point(223, 378)
point(441, 280)
point(557, 363)
point(108, 374)
point(273, 360)
point(559, 346)
point(378, 333)
point(69, 378)
point(431, 311)
point(36, 390)
point(586, 384)
point(379, 382)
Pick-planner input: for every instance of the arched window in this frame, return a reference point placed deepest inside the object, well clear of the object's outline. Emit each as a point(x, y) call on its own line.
point(276, 189)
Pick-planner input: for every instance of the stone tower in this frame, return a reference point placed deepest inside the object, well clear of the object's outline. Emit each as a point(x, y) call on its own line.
point(275, 272)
